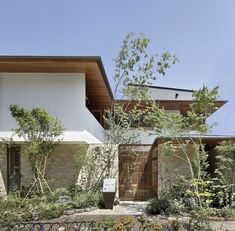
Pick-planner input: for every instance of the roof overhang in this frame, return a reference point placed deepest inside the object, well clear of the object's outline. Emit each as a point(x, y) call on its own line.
point(211, 140)
point(97, 86)
point(182, 105)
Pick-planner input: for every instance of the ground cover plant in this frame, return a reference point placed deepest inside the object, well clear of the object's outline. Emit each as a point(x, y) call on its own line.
point(16, 209)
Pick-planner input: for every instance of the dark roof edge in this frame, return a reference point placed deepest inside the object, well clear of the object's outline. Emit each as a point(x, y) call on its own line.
point(165, 88)
point(101, 66)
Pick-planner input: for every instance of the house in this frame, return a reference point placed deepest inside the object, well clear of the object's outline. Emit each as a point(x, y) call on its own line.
point(77, 91)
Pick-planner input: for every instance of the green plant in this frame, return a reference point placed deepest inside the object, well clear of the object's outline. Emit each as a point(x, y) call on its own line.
point(200, 219)
point(49, 210)
point(182, 144)
point(153, 226)
point(177, 206)
point(198, 225)
point(158, 206)
point(86, 199)
point(15, 209)
point(124, 224)
point(40, 132)
point(104, 225)
point(226, 212)
point(175, 225)
point(225, 167)
point(134, 68)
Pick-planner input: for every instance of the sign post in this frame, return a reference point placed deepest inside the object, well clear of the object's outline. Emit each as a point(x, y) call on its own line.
point(109, 191)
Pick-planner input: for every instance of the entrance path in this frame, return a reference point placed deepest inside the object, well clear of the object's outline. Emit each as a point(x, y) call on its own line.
point(133, 208)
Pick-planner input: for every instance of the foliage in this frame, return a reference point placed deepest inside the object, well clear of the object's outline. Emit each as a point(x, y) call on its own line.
point(200, 219)
point(80, 157)
point(121, 123)
point(178, 128)
point(16, 209)
point(158, 206)
point(40, 132)
point(86, 200)
point(212, 193)
point(124, 224)
point(93, 164)
point(135, 67)
point(104, 225)
point(108, 224)
point(226, 212)
point(226, 161)
point(181, 125)
point(223, 193)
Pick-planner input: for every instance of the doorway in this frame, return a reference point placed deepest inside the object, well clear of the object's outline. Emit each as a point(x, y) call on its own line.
point(13, 168)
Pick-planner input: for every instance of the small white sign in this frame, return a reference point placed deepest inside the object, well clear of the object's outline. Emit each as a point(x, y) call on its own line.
point(109, 185)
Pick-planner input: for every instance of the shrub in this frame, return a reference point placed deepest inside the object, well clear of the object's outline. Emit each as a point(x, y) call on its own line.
point(158, 206)
point(226, 213)
point(86, 199)
point(104, 225)
point(108, 224)
point(125, 224)
point(49, 210)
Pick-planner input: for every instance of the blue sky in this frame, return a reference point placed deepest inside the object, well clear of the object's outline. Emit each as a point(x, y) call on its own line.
point(200, 32)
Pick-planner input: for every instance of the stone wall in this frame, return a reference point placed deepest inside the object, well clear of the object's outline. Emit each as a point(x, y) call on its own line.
point(169, 166)
point(98, 157)
point(61, 169)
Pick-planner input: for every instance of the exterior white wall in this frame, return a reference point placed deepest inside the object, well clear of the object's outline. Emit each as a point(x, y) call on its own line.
point(169, 94)
point(63, 95)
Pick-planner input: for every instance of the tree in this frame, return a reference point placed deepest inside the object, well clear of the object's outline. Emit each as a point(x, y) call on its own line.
point(134, 68)
point(178, 128)
point(40, 132)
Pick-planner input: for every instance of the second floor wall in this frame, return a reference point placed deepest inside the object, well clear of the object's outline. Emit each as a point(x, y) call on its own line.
point(62, 94)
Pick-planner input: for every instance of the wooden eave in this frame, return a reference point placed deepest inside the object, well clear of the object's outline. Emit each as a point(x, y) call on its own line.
point(98, 89)
point(182, 105)
point(209, 140)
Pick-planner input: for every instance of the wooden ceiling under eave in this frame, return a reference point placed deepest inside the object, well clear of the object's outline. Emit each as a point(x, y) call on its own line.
point(98, 90)
point(182, 105)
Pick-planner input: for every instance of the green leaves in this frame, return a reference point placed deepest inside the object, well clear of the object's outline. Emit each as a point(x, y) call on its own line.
point(226, 161)
point(40, 132)
point(204, 100)
point(121, 122)
point(36, 124)
point(134, 66)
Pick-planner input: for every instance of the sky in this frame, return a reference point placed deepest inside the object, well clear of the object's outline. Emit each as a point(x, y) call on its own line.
point(200, 32)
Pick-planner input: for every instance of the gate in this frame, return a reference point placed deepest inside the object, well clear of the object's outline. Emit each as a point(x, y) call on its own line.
point(135, 174)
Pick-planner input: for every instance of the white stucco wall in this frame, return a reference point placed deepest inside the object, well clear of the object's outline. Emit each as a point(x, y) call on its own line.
point(63, 95)
point(169, 94)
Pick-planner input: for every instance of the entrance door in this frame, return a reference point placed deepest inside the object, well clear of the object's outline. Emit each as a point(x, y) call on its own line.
point(13, 168)
point(135, 181)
